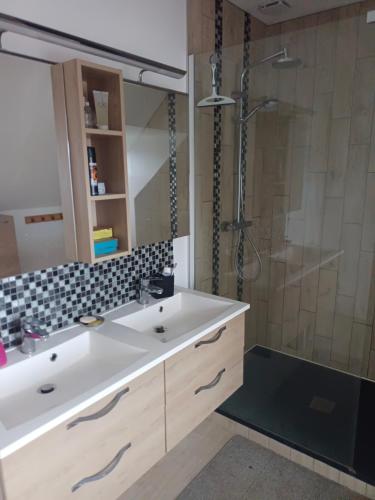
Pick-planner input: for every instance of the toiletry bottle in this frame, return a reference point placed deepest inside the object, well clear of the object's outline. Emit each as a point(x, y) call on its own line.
point(93, 171)
point(89, 116)
point(3, 355)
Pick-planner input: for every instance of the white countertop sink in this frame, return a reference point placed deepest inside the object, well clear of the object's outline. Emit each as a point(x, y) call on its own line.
point(86, 365)
point(175, 316)
point(68, 369)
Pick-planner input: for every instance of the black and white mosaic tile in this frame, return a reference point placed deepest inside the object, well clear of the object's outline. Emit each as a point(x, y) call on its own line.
point(244, 144)
point(172, 164)
point(59, 294)
point(217, 151)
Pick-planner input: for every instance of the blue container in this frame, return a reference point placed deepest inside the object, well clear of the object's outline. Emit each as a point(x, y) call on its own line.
point(105, 246)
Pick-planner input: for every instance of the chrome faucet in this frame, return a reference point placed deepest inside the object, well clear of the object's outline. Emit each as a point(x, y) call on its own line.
point(31, 330)
point(145, 288)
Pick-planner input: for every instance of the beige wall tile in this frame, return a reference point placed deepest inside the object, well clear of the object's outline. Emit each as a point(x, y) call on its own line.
point(342, 330)
point(300, 161)
point(365, 296)
point(326, 303)
point(232, 426)
point(346, 48)
point(371, 366)
point(314, 185)
point(274, 336)
point(304, 100)
point(325, 56)
point(326, 471)
point(355, 183)
point(276, 300)
point(322, 350)
point(338, 157)
point(279, 218)
point(301, 459)
point(291, 317)
point(279, 448)
point(260, 309)
point(352, 483)
point(366, 38)
point(310, 279)
point(368, 235)
point(331, 232)
point(259, 438)
point(359, 349)
point(348, 268)
point(370, 491)
point(320, 132)
point(302, 128)
point(306, 332)
point(363, 101)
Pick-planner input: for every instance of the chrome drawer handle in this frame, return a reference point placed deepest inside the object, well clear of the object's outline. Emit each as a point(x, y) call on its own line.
point(109, 407)
point(212, 384)
point(214, 339)
point(104, 472)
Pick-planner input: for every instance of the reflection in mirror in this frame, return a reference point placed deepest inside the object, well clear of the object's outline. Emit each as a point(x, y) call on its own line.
point(158, 165)
point(29, 185)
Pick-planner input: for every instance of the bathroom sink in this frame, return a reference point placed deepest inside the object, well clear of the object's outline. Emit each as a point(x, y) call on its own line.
point(175, 316)
point(64, 372)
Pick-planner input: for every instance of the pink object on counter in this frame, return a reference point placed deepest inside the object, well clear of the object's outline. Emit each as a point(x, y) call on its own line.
point(3, 355)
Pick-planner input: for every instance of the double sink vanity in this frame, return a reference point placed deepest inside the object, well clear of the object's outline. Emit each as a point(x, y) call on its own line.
point(94, 408)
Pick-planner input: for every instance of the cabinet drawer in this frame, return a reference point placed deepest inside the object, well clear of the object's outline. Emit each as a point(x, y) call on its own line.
point(187, 409)
point(214, 365)
point(222, 347)
point(111, 441)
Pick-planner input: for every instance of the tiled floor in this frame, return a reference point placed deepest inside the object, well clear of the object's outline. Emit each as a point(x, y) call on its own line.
point(243, 470)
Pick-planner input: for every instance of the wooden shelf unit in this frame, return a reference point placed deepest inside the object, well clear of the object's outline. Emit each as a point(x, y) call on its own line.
point(111, 209)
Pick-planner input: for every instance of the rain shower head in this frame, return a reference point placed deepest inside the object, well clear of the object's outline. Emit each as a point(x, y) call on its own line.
point(286, 62)
point(267, 105)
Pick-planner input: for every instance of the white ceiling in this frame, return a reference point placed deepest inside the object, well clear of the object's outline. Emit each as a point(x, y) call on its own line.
point(298, 8)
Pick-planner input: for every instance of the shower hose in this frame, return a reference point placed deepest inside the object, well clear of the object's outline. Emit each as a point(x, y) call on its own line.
point(245, 235)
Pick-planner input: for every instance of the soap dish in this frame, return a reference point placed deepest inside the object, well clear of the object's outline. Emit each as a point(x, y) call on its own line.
point(91, 320)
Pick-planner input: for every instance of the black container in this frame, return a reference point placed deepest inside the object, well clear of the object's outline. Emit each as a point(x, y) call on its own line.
point(164, 282)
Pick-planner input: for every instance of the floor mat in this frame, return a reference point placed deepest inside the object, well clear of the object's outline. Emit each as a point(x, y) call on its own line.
point(243, 470)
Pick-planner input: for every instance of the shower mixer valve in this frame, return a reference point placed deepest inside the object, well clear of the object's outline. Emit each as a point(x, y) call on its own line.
point(235, 225)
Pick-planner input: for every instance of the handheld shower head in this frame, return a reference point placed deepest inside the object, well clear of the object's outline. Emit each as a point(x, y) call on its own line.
point(286, 62)
point(267, 105)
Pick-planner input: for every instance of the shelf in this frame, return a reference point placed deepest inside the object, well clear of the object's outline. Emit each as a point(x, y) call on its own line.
point(98, 131)
point(105, 197)
point(114, 255)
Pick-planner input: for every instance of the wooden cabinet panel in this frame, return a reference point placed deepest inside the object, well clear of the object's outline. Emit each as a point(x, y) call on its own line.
point(9, 260)
point(51, 465)
point(201, 377)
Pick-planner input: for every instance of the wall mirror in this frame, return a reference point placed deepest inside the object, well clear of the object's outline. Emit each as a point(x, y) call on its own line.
point(31, 224)
point(158, 163)
point(34, 230)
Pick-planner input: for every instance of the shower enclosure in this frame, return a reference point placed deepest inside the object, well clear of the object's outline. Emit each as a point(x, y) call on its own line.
point(308, 181)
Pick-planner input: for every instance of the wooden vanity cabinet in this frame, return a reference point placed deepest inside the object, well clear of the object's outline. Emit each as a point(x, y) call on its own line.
point(201, 377)
point(99, 453)
point(124, 432)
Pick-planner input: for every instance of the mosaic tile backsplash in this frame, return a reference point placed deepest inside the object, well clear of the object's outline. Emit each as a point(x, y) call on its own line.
point(59, 294)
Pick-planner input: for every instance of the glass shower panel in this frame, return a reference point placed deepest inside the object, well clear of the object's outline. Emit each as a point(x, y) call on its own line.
point(310, 191)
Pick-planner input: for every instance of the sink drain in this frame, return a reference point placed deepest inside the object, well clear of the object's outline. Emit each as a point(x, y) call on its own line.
point(46, 388)
point(160, 329)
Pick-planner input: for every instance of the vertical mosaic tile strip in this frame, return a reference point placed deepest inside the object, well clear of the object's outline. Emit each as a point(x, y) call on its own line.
point(59, 294)
point(217, 151)
point(172, 163)
point(243, 145)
